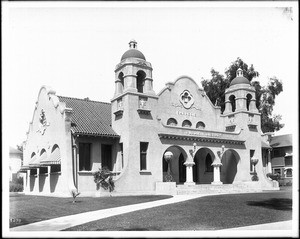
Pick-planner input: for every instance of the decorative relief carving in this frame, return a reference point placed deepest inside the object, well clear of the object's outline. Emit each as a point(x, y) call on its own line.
point(43, 122)
point(142, 103)
point(186, 99)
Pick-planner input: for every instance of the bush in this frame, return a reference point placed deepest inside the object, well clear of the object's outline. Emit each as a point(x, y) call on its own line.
point(103, 178)
point(273, 176)
point(15, 187)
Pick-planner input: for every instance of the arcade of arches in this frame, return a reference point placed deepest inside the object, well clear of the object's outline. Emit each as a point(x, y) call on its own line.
point(203, 168)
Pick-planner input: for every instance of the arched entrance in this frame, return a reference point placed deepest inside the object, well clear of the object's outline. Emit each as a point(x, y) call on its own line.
point(230, 159)
point(178, 169)
point(203, 170)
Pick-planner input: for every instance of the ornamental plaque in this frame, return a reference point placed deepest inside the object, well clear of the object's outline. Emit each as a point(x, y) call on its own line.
point(186, 99)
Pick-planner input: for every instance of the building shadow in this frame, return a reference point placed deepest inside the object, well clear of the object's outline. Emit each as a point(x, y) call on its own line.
point(283, 204)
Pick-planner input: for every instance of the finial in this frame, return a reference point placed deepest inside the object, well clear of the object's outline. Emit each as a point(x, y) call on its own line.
point(239, 72)
point(132, 44)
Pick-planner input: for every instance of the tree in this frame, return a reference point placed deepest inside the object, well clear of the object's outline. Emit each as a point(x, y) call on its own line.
point(265, 95)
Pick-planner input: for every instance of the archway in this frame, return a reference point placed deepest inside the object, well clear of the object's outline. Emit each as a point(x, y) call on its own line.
point(230, 160)
point(178, 169)
point(203, 170)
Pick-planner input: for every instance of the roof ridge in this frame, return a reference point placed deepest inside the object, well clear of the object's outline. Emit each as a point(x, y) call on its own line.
point(84, 99)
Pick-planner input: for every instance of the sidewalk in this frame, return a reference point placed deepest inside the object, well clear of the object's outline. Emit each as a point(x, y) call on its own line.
point(61, 223)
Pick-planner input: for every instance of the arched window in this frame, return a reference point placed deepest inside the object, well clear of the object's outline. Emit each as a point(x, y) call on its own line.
point(172, 122)
point(249, 97)
point(232, 101)
point(200, 125)
point(140, 81)
point(186, 123)
point(121, 78)
point(208, 162)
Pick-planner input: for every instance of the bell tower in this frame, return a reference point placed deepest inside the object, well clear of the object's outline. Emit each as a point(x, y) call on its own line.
point(133, 73)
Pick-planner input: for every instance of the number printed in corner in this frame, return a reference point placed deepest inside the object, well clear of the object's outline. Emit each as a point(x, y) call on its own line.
point(15, 220)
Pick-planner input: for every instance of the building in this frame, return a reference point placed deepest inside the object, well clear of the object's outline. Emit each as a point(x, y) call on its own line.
point(139, 130)
point(282, 157)
point(15, 163)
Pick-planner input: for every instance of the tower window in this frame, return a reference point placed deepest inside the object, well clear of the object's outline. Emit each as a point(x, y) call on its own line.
point(121, 78)
point(232, 101)
point(140, 81)
point(249, 97)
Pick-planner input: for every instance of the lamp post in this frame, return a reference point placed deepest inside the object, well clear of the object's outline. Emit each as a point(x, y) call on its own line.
point(254, 161)
point(168, 157)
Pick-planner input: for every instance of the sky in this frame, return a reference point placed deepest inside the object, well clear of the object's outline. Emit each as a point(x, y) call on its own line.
point(74, 47)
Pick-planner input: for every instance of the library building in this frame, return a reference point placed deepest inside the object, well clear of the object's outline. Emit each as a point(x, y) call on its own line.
point(170, 142)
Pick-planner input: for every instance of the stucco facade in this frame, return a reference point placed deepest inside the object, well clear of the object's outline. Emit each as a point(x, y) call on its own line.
point(133, 133)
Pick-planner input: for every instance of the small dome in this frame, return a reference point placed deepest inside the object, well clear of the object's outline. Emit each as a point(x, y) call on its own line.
point(239, 79)
point(133, 52)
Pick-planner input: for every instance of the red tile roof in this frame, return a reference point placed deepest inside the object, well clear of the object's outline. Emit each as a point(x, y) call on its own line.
point(90, 117)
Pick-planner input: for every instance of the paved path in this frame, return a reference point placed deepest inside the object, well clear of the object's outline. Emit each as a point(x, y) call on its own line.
point(61, 223)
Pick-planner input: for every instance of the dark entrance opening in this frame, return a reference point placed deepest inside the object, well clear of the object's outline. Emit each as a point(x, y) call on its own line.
point(182, 169)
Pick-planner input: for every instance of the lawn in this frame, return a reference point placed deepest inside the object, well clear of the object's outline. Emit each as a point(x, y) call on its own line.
point(25, 209)
point(205, 213)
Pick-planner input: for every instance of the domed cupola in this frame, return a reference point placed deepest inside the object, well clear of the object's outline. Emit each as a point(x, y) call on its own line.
point(133, 52)
point(239, 79)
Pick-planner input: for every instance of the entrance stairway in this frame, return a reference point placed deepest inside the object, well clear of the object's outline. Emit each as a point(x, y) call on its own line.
point(217, 189)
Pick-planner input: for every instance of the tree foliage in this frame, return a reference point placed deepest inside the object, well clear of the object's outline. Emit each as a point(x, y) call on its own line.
point(265, 95)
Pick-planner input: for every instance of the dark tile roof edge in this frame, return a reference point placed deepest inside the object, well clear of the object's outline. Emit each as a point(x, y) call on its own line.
point(74, 98)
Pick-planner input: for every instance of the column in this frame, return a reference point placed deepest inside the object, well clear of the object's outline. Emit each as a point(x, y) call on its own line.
point(28, 181)
point(269, 161)
point(217, 180)
point(189, 173)
point(49, 178)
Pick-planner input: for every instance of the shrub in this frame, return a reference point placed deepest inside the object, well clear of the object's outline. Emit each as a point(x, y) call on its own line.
point(273, 176)
point(103, 178)
point(15, 187)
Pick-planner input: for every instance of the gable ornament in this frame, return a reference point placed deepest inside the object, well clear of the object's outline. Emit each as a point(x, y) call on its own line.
point(43, 124)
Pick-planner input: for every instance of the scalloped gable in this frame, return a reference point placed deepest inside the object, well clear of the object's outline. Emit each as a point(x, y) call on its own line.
point(170, 85)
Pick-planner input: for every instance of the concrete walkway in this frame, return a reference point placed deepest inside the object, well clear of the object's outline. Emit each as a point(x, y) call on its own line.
point(61, 223)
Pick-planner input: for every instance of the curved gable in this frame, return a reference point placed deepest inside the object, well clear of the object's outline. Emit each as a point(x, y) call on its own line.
point(184, 100)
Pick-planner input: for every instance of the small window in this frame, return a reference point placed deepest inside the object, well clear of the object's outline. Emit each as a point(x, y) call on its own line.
point(84, 157)
point(172, 122)
point(200, 125)
point(186, 123)
point(140, 81)
point(289, 173)
point(277, 171)
point(288, 161)
point(143, 155)
point(208, 162)
point(232, 101)
point(249, 97)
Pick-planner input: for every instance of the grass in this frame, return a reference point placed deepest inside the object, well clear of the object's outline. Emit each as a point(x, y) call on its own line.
point(25, 209)
point(206, 213)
